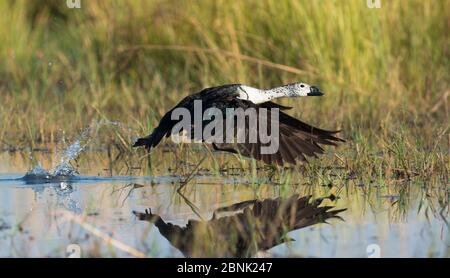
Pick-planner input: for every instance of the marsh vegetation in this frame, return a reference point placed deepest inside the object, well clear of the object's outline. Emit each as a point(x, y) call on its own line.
point(386, 78)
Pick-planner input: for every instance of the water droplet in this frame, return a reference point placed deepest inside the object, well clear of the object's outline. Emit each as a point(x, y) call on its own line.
point(64, 169)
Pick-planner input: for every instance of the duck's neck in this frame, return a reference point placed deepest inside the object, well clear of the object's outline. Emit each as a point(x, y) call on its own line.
point(260, 96)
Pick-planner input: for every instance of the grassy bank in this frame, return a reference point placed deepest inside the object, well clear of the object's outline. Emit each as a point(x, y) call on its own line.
point(385, 71)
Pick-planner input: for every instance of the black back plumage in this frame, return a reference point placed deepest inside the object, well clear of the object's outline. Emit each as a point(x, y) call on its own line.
point(211, 97)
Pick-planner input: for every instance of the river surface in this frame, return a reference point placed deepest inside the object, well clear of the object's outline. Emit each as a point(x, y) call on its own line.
point(94, 212)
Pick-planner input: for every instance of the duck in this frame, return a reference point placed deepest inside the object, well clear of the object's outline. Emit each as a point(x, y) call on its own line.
point(295, 139)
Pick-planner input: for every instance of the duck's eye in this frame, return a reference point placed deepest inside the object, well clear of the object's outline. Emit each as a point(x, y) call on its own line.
point(302, 85)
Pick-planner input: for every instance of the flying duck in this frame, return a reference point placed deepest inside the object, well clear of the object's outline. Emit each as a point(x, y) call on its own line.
point(296, 139)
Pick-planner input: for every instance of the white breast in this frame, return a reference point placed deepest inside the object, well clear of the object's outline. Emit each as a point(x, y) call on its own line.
point(253, 94)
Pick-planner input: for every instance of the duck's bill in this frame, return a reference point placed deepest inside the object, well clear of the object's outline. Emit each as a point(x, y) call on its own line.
point(314, 91)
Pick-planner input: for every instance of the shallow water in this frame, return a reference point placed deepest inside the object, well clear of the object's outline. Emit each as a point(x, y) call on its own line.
point(39, 219)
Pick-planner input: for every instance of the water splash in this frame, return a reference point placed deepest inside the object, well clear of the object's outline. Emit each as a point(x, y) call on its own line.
point(64, 170)
point(37, 173)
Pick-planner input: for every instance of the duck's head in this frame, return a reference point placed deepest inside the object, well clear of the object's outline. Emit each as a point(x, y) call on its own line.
point(303, 89)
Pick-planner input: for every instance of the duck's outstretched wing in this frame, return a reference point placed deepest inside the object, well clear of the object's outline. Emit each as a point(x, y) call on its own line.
point(296, 141)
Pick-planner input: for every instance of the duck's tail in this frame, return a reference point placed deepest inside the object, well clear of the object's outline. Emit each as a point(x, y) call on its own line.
point(145, 141)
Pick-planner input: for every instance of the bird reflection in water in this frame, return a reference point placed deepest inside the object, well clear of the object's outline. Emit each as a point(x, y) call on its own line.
point(256, 225)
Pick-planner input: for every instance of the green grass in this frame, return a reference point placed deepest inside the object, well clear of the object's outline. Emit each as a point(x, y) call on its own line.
point(385, 71)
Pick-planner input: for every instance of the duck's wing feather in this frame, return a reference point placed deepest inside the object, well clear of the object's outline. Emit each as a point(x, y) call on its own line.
point(296, 141)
